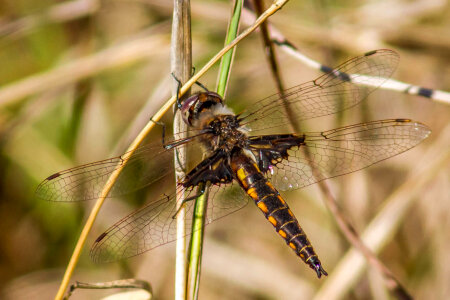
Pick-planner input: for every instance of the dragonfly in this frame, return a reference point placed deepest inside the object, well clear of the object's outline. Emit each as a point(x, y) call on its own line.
point(236, 156)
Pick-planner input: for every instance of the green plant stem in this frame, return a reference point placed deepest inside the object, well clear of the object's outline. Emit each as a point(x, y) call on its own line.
point(201, 203)
point(196, 243)
point(227, 59)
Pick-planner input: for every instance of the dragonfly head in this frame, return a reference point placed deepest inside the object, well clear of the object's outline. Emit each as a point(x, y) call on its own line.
point(198, 103)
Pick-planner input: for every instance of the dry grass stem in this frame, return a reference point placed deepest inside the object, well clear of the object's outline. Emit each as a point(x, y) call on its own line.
point(181, 68)
point(269, 49)
point(145, 289)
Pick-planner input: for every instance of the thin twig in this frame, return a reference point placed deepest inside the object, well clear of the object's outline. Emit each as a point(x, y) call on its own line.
point(271, 57)
point(269, 49)
point(138, 140)
point(121, 284)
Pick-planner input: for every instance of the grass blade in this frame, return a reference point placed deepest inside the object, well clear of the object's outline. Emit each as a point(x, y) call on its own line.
point(196, 244)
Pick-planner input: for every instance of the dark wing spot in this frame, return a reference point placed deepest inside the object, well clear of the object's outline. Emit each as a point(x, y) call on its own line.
point(100, 237)
point(53, 176)
point(403, 120)
point(370, 53)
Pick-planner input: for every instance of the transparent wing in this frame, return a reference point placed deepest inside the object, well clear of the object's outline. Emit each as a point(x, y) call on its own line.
point(155, 225)
point(344, 150)
point(146, 165)
point(339, 89)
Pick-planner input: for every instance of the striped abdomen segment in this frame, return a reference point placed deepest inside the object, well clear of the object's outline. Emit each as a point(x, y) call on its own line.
point(275, 209)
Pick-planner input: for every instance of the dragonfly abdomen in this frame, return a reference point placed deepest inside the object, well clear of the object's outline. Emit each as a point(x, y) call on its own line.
point(275, 209)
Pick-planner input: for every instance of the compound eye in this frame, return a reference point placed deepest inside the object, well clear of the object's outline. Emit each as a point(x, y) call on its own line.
point(187, 108)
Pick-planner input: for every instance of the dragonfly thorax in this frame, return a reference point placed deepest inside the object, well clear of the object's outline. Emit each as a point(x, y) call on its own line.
point(205, 111)
point(224, 132)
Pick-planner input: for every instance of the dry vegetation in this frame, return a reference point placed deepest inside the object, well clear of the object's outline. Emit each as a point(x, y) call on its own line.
point(78, 79)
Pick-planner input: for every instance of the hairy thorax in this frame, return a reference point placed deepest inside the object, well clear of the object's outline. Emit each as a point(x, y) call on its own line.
point(224, 132)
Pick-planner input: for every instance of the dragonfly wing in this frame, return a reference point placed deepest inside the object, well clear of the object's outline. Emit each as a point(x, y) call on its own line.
point(224, 200)
point(322, 155)
point(140, 231)
point(339, 89)
point(146, 165)
point(155, 224)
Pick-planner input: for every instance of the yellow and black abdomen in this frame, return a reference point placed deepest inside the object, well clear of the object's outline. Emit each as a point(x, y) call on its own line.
point(275, 209)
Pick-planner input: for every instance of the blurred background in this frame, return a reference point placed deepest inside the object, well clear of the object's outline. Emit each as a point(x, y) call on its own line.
point(79, 79)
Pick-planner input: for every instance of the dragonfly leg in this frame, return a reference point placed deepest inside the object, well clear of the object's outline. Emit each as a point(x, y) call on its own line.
point(202, 86)
point(197, 82)
point(179, 105)
point(178, 89)
point(199, 193)
point(179, 161)
point(163, 125)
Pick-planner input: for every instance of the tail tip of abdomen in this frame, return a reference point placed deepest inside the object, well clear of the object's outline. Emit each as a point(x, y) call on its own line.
point(315, 264)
